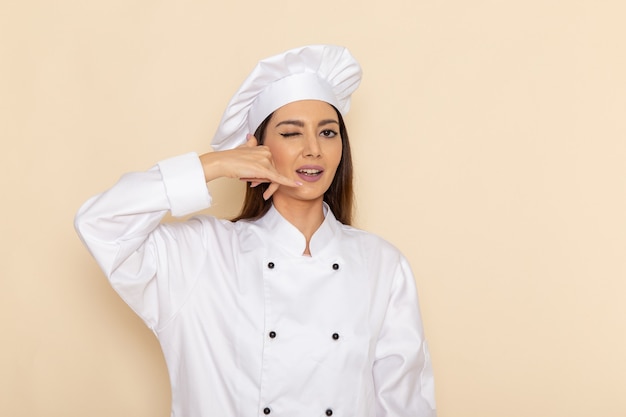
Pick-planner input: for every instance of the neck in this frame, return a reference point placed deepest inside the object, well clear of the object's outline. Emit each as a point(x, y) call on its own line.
point(306, 216)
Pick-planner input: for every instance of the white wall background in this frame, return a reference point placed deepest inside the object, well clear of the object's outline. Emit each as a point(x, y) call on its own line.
point(489, 140)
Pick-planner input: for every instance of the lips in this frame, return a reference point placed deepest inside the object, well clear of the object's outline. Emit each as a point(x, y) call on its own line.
point(310, 173)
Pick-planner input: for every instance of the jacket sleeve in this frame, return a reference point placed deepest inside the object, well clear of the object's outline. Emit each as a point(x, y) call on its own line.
point(403, 375)
point(121, 228)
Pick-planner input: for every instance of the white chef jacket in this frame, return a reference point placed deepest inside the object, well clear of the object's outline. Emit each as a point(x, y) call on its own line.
point(248, 325)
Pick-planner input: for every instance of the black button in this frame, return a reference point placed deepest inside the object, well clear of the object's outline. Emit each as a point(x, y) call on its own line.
point(335, 266)
point(266, 410)
point(272, 334)
point(329, 412)
point(335, 336)
point(270, 265)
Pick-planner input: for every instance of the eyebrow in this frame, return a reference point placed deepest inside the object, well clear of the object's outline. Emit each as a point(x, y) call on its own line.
point(300, 123)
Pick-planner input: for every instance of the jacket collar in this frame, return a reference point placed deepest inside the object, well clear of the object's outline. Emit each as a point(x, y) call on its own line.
point(285, 235)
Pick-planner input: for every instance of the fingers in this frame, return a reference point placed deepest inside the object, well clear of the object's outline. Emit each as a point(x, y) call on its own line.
point(251, 141)
point(274, 185)
point(269, 174)
point(273, 178)
point(282, 180)
point(270, 190)
point(254, 182)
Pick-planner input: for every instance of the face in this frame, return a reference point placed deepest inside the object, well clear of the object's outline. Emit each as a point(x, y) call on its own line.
point(305, 143)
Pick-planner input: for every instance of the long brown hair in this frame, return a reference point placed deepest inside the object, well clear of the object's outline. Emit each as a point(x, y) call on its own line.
point(339, 196)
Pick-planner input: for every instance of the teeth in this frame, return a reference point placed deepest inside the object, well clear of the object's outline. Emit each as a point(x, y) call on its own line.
point(309, 171)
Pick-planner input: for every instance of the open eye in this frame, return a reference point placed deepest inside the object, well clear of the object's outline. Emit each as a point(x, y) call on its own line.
point(328, 133)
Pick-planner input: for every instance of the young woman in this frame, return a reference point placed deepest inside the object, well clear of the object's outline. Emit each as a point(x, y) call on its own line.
point(287, 310)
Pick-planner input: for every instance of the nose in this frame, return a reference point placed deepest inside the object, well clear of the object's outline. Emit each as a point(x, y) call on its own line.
point(312, 147)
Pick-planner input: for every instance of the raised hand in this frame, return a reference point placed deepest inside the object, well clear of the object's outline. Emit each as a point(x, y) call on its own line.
point(248, 162)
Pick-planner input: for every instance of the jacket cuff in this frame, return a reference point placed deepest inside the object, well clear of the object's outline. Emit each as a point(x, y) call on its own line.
point(184, 182)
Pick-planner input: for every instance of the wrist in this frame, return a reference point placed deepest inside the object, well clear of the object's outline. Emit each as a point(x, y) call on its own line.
point(211, 166)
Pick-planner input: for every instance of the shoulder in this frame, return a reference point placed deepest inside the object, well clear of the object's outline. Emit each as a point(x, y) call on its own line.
point(374, 257)
point(206, 233)
point(199, 226)
point(370, 243)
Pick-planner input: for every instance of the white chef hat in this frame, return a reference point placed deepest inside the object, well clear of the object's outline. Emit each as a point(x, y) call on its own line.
point(317, 72)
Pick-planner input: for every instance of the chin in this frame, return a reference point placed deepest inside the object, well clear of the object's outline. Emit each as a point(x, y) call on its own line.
point(302, 196)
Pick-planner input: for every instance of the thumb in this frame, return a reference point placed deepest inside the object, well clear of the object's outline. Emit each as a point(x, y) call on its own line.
point(250, 141)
